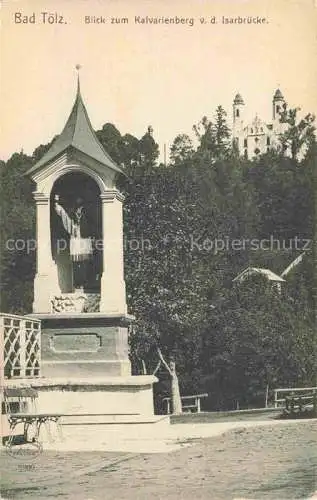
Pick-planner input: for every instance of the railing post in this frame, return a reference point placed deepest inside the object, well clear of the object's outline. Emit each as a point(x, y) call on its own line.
point(198, 404)
point(2, 361)
point(38, 340)
point(275, 398)
point(22, 333)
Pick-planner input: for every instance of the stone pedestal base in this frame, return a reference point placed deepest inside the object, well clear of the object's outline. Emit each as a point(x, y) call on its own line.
point(84, 345)
point(95, 397)
point(90, 406)
point(86, 376)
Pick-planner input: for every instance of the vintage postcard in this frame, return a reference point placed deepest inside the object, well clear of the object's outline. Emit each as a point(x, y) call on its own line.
point(158, 221)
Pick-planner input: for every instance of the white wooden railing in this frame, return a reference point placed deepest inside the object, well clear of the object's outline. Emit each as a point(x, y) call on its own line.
point(20, 345)
point(189, 403)
point(280, 395)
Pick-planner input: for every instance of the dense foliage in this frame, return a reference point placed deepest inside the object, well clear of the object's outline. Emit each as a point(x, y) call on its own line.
point(191, 227)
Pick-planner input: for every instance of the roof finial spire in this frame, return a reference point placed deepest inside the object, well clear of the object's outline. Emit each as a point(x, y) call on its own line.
point(78, 67)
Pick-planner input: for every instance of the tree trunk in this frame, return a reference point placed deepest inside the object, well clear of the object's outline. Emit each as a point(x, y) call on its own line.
point(266, 395)
point(175, 393)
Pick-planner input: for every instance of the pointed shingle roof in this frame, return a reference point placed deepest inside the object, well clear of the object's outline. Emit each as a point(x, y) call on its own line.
point(278, 96)
point(79, 134)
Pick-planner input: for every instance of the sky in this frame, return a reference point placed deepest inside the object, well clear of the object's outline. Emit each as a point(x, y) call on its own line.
point(135, 75)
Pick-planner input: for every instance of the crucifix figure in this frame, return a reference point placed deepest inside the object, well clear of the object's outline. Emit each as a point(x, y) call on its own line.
point(80, 244)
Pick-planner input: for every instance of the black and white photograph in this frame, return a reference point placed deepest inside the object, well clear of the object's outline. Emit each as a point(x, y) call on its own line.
point(158, 313)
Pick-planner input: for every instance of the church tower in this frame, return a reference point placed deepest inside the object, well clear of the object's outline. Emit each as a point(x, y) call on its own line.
point(238, 114)
point(278, 104)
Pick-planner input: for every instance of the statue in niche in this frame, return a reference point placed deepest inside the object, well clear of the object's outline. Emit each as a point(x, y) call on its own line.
point(77, 227)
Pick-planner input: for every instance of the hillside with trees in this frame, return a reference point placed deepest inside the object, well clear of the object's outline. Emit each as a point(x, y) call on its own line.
point(180, 223)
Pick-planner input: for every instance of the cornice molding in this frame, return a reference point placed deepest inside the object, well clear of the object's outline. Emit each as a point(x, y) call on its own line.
point(110, 195)
point(40, 198)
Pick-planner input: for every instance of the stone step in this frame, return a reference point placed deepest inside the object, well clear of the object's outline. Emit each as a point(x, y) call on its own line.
point(142, 436)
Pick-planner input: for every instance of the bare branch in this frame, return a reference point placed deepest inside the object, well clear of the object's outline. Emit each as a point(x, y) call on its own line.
point(144, 367)
point(157, 366)
point(163, 361)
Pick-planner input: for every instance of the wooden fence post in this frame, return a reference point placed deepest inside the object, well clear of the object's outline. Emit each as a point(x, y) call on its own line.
point(275, 398)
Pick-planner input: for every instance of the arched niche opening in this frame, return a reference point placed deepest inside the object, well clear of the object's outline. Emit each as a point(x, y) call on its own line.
point(75, 203)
